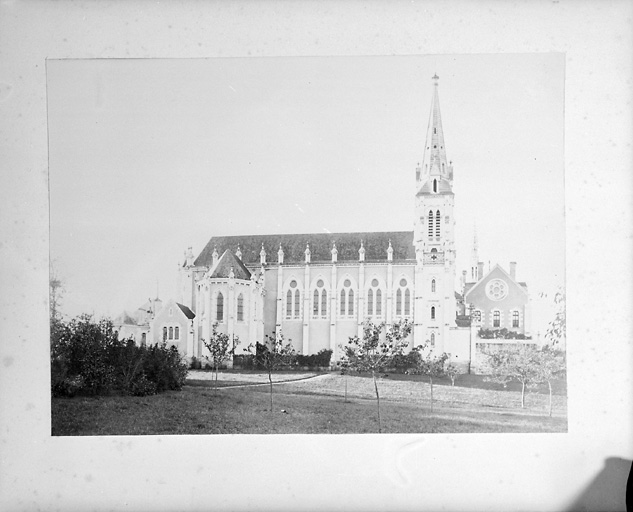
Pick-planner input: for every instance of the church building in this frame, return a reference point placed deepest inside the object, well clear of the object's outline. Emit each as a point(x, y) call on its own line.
point(319, 288)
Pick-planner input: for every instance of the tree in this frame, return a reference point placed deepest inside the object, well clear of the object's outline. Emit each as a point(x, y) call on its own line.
point(272, 356)
point(430, 365)
point(551, 365)
point(452, 371)
point(515, 363)
point(220, 348)
point(557, 329)
point(375, 351)
point(56, 292)
point(345, 372)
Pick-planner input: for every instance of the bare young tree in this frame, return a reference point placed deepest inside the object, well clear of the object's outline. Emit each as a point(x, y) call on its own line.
point(376, 351)
point(551, 366)
point(274, 355)
point(430, 365)
point(452, 371)
point(221, 349)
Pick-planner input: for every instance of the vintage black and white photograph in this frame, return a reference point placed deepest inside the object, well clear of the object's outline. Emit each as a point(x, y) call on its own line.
point(307, 245)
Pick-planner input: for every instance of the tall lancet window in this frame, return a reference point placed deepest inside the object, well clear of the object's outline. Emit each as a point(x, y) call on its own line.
point(433, 286)
point(437, 223)
point(240, 308)
point(430, 223)
point(289, 304)
point(435, 186)
point(219, 313)
point(432, 312)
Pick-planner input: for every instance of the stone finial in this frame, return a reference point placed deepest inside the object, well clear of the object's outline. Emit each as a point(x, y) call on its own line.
point(238, 253)
point(215, 255)
point(231, 274)
point(280, 254)
point(361, 252)
point(262, 255)
point(389, 252)
point(307, 253)
point(334, 253)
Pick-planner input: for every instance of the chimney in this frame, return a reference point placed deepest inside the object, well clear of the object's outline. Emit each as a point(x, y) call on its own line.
point(480, 270)
point(513, 270)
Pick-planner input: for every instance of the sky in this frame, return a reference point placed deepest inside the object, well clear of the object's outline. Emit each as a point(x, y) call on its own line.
point(150, 156)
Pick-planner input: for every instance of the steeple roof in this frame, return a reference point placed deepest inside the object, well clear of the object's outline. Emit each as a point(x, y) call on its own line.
point(435, 164)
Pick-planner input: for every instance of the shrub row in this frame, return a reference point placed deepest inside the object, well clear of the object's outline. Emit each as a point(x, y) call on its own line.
point(491, 334)
point(254, 361)
point(88, 358)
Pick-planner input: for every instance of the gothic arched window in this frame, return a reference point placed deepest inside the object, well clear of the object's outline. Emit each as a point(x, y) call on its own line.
point(399, 302)
point(374, 299)
point(350, 302)
point(433, 285)
point(171, 333)
point(289, 304)
point(176, 333)
point(432, 339)
point(240, 308)
point(430, 223)
point(319, 300)
point(346, 306)
point(407, 302)
point(432, 312)
point(164, 333)
point(515, 319)
point(435, 186)
point(293, 300)
point(219, 310)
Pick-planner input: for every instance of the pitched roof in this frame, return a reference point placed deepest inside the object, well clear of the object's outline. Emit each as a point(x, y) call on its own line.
point(188, 313)
point(225, 263)
point(294, 246)
point(469, 287)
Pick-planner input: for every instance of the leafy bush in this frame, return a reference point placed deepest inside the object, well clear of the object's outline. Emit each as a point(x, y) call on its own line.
point(195, 364)
point(87, 357)
point(320, 359)
point(245, 361)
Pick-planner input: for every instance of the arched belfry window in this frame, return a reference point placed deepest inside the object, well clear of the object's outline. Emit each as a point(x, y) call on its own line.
point(435, 186)
point(432, 312)
point(219, 313)
point(430, 223)
point(437, 223)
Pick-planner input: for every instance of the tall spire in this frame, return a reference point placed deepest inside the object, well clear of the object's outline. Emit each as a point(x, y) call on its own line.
point(435, 165)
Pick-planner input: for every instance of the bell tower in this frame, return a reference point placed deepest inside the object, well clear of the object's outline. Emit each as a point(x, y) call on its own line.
point(434, 237)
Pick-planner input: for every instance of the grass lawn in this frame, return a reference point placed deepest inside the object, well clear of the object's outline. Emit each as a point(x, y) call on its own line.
point(313, 406)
